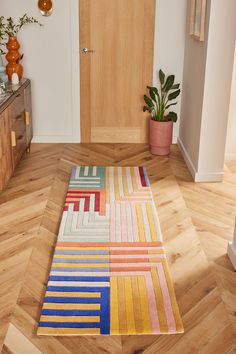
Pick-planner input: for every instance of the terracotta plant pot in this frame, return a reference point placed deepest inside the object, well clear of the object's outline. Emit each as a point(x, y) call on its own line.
point(13, 57)
point(160, 137)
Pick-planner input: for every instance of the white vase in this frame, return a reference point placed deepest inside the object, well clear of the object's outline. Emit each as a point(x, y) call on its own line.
point(15, 79)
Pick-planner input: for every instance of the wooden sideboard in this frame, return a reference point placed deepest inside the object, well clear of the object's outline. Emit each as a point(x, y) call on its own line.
point(16, 129)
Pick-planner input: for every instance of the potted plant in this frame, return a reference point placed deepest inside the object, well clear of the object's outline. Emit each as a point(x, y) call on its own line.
point(161, 122)
point(13, 56)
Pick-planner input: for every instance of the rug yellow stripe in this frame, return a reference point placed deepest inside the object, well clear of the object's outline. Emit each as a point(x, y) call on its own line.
point(159, 301)
point(116, 185)
point(114, 306)
point(133, 177)
point(151, 223)
point(54, 306)
point(124, 180)
point(73, 248)
point(137, 305)
point(146, 321)
point(70, 319)
point(67, 331)
point(84, 256)
point(73, 294)
point(156, 252)
point(122, 306)
point(140, 223)
point(79, 265)
point(175, 308)
point(129, 306)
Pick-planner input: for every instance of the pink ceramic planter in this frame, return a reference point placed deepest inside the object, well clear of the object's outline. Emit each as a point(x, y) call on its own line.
point(160, 137)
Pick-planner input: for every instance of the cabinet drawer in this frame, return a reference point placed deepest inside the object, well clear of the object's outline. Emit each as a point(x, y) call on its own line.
point(19, 145)
point(19, 140)
point(18, 125)
point(17, 107)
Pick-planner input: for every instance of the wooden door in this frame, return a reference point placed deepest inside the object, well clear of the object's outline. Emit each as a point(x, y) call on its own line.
point(115, 73)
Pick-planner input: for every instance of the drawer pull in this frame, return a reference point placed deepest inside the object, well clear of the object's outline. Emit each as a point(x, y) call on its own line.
point(19, 117)
point(13, 139)
point(27, 118)
point(20, 137)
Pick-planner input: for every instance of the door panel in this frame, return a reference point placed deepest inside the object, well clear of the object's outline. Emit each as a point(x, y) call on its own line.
point(114, 76)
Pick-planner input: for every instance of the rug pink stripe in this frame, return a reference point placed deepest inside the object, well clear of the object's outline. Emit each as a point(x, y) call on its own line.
point(166, 299)
point(112, 223)
point(135, 224)
point(152, 303)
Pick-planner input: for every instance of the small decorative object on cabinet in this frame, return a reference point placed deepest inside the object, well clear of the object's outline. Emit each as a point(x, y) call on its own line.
point(10, 29)
point(15, 79)
point(45, 7)
point(16, 129)
point(161, 121)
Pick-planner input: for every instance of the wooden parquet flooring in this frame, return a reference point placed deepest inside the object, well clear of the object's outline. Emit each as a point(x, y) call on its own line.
point(197, 221)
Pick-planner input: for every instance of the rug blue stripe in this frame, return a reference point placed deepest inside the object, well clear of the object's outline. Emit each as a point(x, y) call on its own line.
point(105, 312)
point(71, 300)
point(146, 177)
point(73, 172)
point(70, 324)
point(92, 261)
point(76, 289)
point(47, 312)
point(71, 278)
point(81, 270)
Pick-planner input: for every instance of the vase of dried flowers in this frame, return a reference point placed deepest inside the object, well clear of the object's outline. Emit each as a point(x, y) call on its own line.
point(13, 56)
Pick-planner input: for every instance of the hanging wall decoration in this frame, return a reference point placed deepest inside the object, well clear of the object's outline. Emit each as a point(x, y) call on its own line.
point(198, 18)
point(45, 7)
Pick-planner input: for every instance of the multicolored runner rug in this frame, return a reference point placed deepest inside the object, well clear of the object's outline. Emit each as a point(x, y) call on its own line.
point(109, 272)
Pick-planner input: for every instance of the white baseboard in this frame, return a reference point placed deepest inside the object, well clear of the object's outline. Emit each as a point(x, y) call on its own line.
point(209, 177)
point(199, 176)
point(187, 158)
point(66, 139)
point(174, 140)
point(55, 139)
point(230, 156)
point(232, 253)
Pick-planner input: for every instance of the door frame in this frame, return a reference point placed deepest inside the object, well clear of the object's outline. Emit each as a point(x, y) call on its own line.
point(75, 65)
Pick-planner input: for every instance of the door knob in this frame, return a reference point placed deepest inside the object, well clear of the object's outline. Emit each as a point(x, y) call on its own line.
point(86, 50)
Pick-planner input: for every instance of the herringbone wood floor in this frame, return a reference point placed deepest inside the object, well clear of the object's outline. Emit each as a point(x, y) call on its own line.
point(197, 221)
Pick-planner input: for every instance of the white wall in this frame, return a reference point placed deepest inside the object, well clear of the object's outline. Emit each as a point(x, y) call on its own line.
point(230, 153)
point(207, 83)
point(170, 44)
point(192, 95)
point(52, 61)
point(219, 70)
point(47, 62)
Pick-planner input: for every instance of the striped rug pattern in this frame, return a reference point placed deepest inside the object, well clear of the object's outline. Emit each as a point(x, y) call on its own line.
point(109, 272)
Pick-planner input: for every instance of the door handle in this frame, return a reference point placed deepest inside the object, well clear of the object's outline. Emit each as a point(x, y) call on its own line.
point(86, 50)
